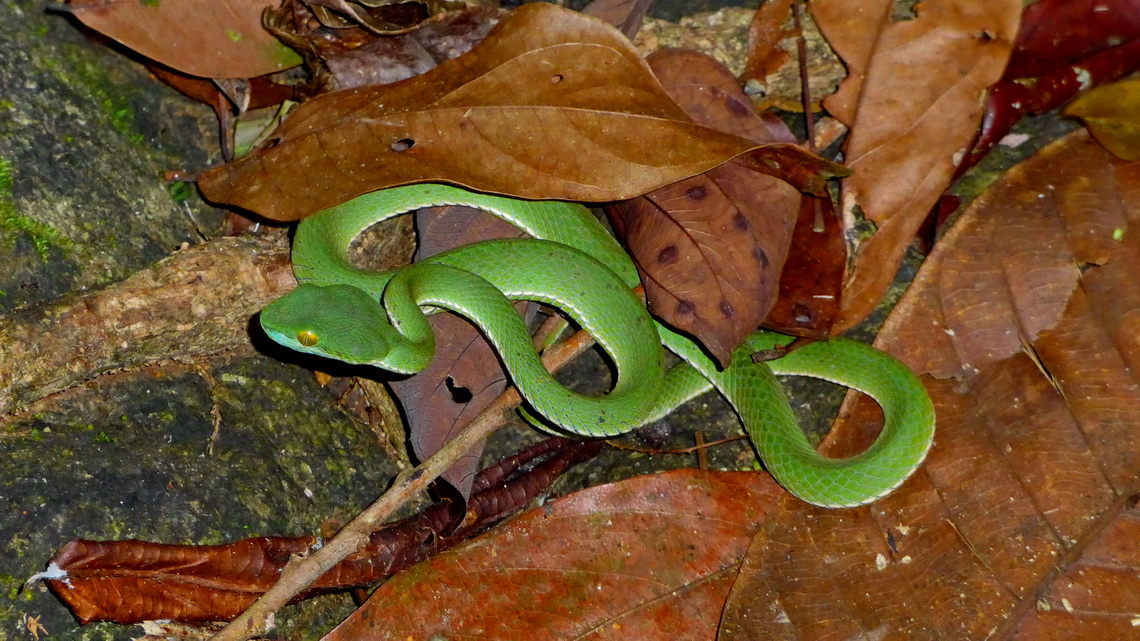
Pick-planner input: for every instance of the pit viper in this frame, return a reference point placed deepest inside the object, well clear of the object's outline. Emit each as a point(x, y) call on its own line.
point(342, 312)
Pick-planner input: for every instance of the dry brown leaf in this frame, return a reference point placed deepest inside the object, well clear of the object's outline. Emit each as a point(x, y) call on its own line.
point(1022, 524)
point(710, 248)
point(920, 98)
point(206, 38)
point(648, 558)
point(552, 104)
point(764, 35)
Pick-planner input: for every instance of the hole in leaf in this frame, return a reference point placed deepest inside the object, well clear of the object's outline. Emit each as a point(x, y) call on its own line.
point(556, 78)
point(459, 394)
point(403, 144)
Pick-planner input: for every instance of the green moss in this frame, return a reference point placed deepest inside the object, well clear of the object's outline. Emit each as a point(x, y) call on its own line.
point(87, 75)
point(43, 236)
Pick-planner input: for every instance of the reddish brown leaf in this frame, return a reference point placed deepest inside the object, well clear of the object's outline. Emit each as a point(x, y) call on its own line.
point(131, 581)
point(648, 558)
point(710, 248)
point(918, 106)
point(465, 375)
point(1056, 33)
point(1010, 100)
point(552, 104)
point(1022, 523)
point(206, 38)
point(811, 285)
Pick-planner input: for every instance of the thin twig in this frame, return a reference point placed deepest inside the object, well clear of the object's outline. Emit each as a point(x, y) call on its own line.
point(301, 572)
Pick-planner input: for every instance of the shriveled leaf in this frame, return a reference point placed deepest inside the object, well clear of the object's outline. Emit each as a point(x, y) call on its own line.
point(465, 374)
point(1022, 523)
point(648, 558)
point(354, 57)
point(710, 248)
point(130, 581)
point(206, 38)
point(919, 104)
point(1112, 115)
point(552, 104)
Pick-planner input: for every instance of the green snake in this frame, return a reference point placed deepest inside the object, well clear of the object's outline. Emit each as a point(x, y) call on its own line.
point(342, 312)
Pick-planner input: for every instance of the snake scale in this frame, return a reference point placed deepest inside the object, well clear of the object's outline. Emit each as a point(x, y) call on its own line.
point(571, 262)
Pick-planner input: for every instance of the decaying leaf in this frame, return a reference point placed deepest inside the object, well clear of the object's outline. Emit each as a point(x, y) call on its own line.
point(710, 248)
point(206, 38)
point(354, 57)
point(552, 104)
point(811, 284)
point(919, 103)
point(648, 558)
point(465, 374)
point(130, 581)
point(1022, 523)
point(1112, 115)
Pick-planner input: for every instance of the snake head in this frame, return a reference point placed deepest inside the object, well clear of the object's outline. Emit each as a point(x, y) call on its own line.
point(341, 322)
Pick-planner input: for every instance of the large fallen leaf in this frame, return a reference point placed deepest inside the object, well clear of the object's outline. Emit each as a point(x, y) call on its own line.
point(648, 558)
point(552, 104)
point(919, 104)
point(207, 38)
point(1022, 523)
point(710, 248)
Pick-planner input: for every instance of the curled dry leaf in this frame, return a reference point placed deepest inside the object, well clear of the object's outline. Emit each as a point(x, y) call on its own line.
point(919, 102)
point(552, 104)
point(206, 38)
point(648, 558)
point(710, 248)
point(355, 57)
point(1022, 524)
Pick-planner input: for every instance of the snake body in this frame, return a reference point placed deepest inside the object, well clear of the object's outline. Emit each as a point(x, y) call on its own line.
point(377, 318)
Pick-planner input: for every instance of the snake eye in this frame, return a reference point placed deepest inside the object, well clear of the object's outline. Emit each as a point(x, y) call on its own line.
point(307, 338)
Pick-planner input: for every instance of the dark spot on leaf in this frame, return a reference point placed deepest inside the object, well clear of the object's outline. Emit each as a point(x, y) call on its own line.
point(403, 144)
point(740, 222)
point(984, 36)
point(802, 314)
point(761, 256)
point(668, 255)
point(726, 308)
point(556, 78)
point(736, 107)
point(459, 394)
point(686, 308)
point(698, 192)
point(1132, 501)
